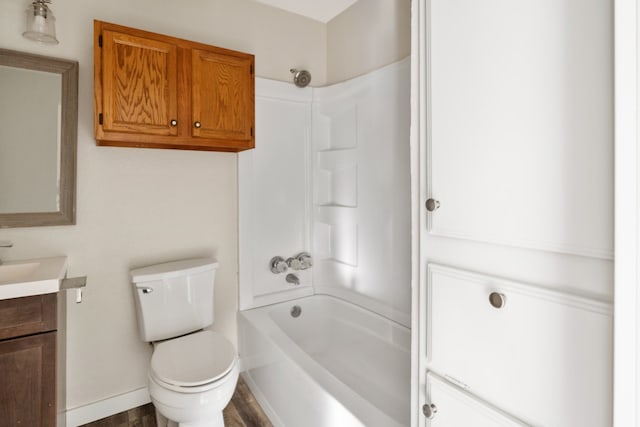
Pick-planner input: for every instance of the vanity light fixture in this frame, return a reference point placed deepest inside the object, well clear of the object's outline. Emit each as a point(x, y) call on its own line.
point(41, 24)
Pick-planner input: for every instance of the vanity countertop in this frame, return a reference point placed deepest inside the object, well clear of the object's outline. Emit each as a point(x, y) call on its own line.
point(29, 277)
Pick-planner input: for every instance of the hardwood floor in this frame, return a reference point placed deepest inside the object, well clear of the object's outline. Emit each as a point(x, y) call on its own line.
point(143, 416)
point(242, 411)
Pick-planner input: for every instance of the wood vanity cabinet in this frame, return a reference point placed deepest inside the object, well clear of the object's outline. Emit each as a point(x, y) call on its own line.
point(157, 91)
point(28, 361)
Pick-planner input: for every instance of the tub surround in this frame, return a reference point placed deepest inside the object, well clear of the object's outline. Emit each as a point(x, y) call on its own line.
point(361, 215)
point(342, 356)
point(331, 146)
point(274, 203)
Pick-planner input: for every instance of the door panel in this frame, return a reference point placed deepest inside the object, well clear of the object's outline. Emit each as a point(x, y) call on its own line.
point(455, 407)
point(540, 349)
point(27, 369)
point(521, 124)
point(139, 84)
point(222, 96)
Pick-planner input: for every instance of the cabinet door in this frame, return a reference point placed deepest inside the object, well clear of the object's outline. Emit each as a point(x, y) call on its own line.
point(223, 97)
point(27, 381)
point(27, 315)
point(453, 407)
point(139, 78)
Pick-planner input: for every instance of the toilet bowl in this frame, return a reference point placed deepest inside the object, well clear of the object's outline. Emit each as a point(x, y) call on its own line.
point(192, 378)
point(193, 372)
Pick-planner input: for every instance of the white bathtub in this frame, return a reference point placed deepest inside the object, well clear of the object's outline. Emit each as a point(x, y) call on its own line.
point(334, 365)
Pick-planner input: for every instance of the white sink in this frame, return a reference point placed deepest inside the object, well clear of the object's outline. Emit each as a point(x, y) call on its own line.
point(31, 276)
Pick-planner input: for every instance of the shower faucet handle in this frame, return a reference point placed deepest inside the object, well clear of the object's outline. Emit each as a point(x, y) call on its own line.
point(294, 263)
point(278, 265)
point(302, 261)
point(305, 260)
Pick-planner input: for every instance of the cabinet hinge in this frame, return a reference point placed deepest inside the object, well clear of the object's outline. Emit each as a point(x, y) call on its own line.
point(100, 118)
point(251, 131)
point(100, 40)
point(251, 69)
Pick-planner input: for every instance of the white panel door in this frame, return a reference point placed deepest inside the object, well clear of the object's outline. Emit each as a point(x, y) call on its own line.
point(521, 117)
point(513, 132)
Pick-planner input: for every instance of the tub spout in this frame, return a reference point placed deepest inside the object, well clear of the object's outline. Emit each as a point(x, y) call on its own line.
point(292, 278)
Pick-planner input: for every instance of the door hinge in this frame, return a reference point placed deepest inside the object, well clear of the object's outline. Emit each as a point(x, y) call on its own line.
point(100, 118)
point(100, 40)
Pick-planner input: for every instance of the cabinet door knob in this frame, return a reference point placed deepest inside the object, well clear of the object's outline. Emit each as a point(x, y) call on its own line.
point(174, 122)
point(497, 299)
point(197, 125)
point(429, 410)
point(432, 205)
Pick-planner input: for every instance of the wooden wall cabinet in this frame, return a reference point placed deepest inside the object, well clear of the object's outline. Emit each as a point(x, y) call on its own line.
point(157, 91)
point(28, 361)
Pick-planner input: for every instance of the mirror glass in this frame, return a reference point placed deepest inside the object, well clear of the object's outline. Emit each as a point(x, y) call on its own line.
point(38, 127)
point(29, 141)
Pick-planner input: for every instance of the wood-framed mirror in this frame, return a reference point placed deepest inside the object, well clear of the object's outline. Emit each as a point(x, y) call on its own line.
point(38, 140)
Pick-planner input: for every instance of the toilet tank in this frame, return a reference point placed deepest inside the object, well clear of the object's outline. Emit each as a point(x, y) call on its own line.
point(174, 298)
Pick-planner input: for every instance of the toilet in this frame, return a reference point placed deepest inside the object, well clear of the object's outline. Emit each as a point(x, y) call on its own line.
point(193, 372)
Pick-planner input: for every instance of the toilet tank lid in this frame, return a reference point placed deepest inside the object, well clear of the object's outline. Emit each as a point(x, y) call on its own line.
point(172, 269)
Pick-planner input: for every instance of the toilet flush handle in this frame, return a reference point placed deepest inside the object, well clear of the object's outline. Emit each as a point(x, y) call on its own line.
point(146, 290)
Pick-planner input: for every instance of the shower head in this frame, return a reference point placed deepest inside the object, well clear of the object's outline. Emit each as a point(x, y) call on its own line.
point(301, 78)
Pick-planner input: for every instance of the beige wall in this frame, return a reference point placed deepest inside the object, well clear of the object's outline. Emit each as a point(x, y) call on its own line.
point(140, 206)
point(367, 36)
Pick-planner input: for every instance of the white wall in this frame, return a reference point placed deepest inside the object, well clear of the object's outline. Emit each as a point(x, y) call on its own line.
point(368, 35)
point(140, 206)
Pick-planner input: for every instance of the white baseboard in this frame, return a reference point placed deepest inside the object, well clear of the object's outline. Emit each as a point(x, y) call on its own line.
point(104, 408)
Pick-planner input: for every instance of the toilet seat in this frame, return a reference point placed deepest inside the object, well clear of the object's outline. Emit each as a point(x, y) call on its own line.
point(194, 362)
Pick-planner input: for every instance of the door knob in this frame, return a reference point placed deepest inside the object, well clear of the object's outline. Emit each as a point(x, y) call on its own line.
point(432, 205)
point(429, 410)
point(197, 125)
